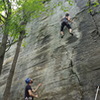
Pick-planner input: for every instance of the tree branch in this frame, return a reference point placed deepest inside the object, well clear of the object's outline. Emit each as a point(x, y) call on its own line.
point(2, 16)
point(4, 5)
point(10, 44)
point(9, 7)
point(1, 20)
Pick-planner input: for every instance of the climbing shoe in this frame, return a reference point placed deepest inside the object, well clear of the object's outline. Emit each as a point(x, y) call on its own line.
point(71, 34)
point(62, 35)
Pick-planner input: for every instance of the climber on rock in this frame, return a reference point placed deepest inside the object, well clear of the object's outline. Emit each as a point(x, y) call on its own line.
point(29, 92)
point(65, 22)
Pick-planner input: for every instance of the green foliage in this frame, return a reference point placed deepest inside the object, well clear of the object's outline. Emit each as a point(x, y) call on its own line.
point(91, 5)
point(65, 9)
point(46, 1)
point(71, 2)
point(96, 4)
point(90, 10)
point(1, 6)
point(60, 3)
point(32, 8)
point(24, 43)
point(26, 9)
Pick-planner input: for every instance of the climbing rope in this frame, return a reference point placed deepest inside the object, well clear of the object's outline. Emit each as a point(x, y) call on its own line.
point(96, 93)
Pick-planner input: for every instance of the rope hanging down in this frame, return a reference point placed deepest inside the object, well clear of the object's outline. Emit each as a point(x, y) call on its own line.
point(96, 93)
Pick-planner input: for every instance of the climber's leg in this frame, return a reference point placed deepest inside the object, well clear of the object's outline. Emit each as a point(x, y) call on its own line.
point(70, 29)
point(61, 31)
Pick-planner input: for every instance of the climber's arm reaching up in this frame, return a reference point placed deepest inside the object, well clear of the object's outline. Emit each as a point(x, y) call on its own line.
point(34, 90)
point(69, 19)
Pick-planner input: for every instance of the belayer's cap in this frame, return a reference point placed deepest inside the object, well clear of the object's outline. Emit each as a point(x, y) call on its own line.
point(28, 80)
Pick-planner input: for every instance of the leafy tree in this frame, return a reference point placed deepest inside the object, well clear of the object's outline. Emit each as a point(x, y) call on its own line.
point(5, 5)
point(34, 10)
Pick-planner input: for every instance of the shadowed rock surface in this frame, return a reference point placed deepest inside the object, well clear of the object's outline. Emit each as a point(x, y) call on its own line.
point(68, 68)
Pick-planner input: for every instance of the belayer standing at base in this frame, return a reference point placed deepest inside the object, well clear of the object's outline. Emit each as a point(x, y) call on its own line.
point(29, 92)
point(65, 22)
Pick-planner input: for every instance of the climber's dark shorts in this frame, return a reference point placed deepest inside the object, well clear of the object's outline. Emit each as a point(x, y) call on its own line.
point(63, 24)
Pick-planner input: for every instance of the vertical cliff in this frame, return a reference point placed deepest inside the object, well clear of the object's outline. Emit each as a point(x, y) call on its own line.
point(68, 68)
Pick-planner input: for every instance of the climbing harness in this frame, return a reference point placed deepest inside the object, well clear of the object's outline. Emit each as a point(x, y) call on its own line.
point(30, 98)
point(96, 93)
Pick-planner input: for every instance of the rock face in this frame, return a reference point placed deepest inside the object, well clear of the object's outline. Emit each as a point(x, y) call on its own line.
point(68, 68)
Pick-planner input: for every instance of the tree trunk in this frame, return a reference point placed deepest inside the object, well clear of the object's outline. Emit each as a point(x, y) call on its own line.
point(11, 74)
point(7, 5)
point(2, 50)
